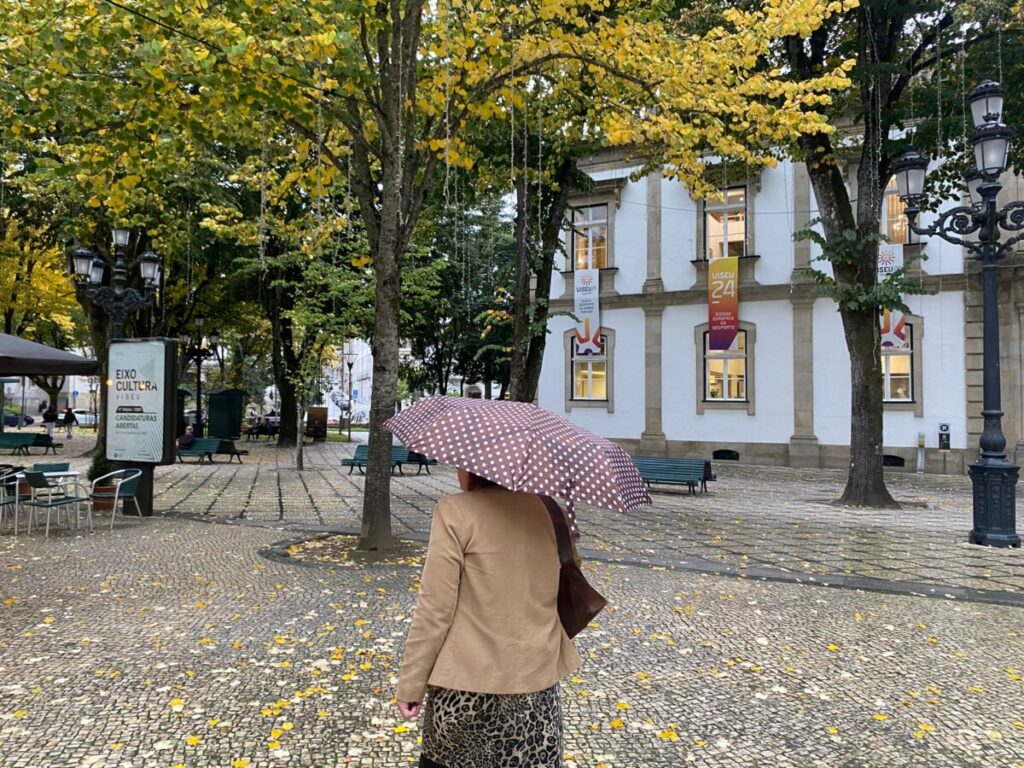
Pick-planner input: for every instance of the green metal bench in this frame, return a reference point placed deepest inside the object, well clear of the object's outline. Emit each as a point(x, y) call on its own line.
point(228, 448)
point(46, 443)
point(671, 471)
point(421, 461)
point(399, 456)
point(17, 442)
point(206, 447)
point(203, 447)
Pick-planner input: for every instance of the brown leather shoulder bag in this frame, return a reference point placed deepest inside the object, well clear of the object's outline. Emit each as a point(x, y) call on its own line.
point(578, 602)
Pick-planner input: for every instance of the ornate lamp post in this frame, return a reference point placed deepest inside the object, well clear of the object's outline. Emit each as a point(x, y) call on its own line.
point(350, 360)
point(994, 478)
point(120, 302)
point(199, 353)
point(116, 299)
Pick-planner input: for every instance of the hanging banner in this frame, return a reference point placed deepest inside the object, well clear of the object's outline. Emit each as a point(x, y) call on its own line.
point(587, 308)
point(893, 324)
point(141, 380)
point(723, 302)
point(894, 329)
point(890, 258)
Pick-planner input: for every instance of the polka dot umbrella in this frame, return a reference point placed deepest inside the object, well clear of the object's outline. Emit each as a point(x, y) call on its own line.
point(523, 448)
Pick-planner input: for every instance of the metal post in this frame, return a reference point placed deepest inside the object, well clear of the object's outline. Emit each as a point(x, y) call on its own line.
point(350, 364)
point(198, 426)
point(994, 478)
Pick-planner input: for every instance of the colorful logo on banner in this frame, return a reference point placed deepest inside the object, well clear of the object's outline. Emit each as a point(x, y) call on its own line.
point(588, 312)
point(723, 302)
point(894, 329)
point(893, 324)
point(890, 258)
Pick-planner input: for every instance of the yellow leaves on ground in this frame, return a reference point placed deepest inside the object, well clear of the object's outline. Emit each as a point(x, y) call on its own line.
point(668, 735)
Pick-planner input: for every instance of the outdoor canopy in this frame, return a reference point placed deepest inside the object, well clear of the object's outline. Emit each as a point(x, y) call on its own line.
point(20, 357)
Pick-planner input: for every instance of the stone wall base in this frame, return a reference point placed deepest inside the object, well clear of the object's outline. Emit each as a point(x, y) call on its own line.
point(799, 452)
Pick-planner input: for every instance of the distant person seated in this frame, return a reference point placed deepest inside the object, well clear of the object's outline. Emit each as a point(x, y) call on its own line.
point(256, 428)
point(272, 412)
point(186, 440)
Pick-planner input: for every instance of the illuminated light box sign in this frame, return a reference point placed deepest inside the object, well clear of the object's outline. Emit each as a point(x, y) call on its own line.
point(141, 401)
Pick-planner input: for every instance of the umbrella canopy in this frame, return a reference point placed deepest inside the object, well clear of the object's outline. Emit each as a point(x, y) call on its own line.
point(22, 357)
point(523, 448)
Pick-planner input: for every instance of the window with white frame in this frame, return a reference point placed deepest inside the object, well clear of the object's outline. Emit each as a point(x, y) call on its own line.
point(589, 237)
point(893, 221)
point(590, 373)
point(898, 370)
point(725, 224)
point(725, 371)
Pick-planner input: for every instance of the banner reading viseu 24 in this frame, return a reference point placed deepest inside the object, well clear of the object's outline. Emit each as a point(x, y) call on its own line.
point(136, 401)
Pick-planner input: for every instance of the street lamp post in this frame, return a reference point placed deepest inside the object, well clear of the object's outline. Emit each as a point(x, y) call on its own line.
point(199, 353)
point(994, 477)
point(119, 302)
point(116, 299)
point(350, 362)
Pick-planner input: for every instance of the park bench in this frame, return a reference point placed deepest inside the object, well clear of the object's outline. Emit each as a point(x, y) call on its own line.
point(20, 442)
point(671, 471)
point(46, 443)
point(206, 447)
point(422, 462)
point(16, 442)
point(399, 456)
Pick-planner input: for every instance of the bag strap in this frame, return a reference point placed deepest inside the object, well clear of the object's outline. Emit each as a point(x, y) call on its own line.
point(561, 531)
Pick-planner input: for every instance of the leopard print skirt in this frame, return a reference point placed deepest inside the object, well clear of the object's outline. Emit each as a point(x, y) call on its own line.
point(462, 729)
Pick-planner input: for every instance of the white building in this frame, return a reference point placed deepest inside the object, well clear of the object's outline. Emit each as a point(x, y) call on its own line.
point(780, 393)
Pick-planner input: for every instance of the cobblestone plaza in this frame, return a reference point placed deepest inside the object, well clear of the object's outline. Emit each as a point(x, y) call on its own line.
point(756, 625)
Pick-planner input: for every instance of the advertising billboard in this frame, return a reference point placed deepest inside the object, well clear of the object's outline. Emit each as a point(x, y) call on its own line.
point(141, 400)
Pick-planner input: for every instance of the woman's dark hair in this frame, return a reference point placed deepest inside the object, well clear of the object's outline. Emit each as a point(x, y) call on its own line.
point(476, 481)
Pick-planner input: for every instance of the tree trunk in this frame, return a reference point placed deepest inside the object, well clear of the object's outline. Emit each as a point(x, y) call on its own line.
point(865, 484)
point(551, 239)
point(51, 385)
point(376, 529)
point(288, 425)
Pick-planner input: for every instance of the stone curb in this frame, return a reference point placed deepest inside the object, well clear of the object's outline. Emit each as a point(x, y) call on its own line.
point(278, 552)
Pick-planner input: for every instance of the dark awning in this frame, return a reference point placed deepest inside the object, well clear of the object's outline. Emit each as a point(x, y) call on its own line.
point(20, 357)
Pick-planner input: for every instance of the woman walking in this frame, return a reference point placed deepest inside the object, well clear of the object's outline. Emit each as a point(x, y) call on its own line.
point(486, 648)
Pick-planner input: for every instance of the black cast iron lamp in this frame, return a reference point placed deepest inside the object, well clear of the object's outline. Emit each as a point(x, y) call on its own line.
point(974, 181)
point(149, 268)
point(121, 237)
point(910, 169)
point(986, 102)
point(81, 262)
point(979, 228)
point(991, 147)
point(117, 299)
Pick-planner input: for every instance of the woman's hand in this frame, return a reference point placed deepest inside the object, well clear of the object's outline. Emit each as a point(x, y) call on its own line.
point(409, 709)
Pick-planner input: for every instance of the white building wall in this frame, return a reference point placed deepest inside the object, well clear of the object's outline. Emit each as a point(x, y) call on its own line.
point(627, 420)
point(773, 226)
point(630, 231)
point(773, 417)
point(678, 236)
point(942, 381)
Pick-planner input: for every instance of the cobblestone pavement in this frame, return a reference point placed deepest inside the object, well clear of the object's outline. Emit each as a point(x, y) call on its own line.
point(763, 522)
point(174, 642)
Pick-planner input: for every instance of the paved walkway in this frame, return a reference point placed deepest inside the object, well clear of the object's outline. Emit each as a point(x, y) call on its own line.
point(184, 641)
point(758, 522)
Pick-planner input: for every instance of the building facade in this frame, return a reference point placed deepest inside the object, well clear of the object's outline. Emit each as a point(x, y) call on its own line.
point(658, 382)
